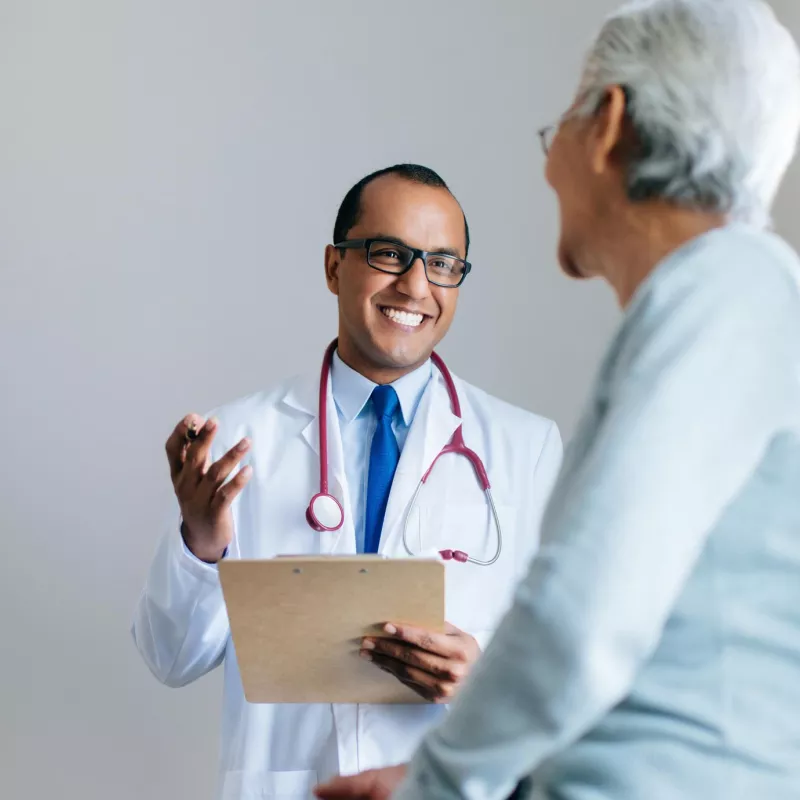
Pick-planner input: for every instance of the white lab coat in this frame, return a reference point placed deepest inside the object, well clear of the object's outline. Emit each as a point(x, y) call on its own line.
point(180, 625)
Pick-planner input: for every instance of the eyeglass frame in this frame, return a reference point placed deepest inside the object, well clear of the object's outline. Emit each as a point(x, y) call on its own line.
point(416, 253)
point(553, 128)
point(544, 133)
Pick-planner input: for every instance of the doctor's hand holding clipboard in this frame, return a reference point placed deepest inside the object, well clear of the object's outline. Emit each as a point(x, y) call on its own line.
point(433, 664)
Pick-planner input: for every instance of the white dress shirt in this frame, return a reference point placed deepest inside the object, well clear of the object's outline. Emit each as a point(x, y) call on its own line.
point(357, 421)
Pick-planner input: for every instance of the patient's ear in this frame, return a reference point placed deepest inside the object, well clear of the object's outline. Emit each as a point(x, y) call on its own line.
point(608, 129)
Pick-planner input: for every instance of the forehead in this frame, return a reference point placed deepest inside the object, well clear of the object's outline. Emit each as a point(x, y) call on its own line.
point(427, 217)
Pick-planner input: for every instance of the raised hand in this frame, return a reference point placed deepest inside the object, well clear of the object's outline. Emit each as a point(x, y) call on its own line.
point(203, 494)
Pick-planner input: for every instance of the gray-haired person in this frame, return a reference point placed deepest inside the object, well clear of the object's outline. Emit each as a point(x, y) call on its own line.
point(653, 650)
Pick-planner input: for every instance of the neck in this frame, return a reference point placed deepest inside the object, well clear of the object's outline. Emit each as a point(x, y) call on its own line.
point(377, 373)
point(649, 233)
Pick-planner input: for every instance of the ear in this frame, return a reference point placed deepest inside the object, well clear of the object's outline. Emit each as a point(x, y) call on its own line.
point(333, 260)
point(608, 128)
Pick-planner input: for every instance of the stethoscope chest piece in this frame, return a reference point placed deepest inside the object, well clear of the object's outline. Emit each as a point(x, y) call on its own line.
point(325, 513)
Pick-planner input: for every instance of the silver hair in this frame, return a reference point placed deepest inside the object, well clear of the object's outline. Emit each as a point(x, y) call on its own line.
point(713, 89)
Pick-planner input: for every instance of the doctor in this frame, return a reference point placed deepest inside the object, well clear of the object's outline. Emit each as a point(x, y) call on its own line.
point(244, 482)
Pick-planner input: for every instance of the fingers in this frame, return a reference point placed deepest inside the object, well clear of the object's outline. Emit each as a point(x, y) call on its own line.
point(449, 645)
point(432, 664)
point(354, 787)
point(447, 669)
point(177, 443)
point(219, 471)
point(196, 461)
point(431, 687)
point(195, 481)
point(197, 453)
point(428, 693)
point(375, 784)
point(227, 494)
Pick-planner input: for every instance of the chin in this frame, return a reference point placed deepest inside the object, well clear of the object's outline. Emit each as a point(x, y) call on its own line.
point(400, 355)
point(402, 352)
point(569, 265)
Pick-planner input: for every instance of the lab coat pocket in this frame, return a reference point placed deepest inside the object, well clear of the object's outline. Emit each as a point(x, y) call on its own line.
point(288, 785)
point(475, 596)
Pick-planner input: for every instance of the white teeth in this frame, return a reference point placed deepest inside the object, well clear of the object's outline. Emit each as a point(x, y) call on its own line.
point(403, 317)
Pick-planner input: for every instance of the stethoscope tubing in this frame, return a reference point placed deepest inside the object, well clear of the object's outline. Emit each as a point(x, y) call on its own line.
point(456, 446)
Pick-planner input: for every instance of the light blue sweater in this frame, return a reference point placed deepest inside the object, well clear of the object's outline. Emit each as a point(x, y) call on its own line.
point(653, 650)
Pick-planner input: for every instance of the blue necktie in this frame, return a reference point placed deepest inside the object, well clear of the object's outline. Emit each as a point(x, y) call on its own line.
point(383, 457)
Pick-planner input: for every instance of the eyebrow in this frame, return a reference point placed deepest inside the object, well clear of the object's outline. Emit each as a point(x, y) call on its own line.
point(385, 237)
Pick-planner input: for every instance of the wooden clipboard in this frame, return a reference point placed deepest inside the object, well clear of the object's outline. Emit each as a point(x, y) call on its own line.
point(297, 623)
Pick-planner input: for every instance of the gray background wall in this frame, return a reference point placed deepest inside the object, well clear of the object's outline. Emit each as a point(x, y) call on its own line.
point(169, 176)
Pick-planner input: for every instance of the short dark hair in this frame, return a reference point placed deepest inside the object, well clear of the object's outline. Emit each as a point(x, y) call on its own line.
point(350, 208)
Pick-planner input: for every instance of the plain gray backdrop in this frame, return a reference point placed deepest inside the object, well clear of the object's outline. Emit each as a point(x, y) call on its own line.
point(169, 176)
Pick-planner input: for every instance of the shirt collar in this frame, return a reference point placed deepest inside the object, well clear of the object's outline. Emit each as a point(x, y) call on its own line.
point(352, 391)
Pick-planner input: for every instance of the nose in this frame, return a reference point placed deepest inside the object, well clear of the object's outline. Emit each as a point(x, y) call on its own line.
point(414, 283)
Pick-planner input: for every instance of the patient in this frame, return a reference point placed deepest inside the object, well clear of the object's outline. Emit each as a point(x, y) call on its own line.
point(653, 650)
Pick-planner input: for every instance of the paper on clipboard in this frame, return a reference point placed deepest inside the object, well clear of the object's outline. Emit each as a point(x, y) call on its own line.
point(297, 622)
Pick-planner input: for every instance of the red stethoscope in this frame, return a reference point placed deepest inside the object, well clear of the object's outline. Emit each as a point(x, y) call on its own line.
point(325, 512)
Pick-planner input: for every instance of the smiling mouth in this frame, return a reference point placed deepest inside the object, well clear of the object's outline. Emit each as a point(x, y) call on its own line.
point(409, 319)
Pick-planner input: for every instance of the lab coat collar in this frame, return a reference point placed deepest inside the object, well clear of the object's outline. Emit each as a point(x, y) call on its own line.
point(303, 396)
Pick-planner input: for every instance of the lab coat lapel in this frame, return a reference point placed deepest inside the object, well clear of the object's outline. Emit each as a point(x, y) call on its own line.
point(304, 396)
point(433, 426)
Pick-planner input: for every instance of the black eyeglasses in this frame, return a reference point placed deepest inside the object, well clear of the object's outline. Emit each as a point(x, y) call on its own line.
point(546, 136)
point(441, 269)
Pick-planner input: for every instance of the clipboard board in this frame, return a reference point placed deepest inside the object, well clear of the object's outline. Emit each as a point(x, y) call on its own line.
point(297, 623)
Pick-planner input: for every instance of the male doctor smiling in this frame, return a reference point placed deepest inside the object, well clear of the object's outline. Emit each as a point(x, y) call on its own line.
point(400, 256)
